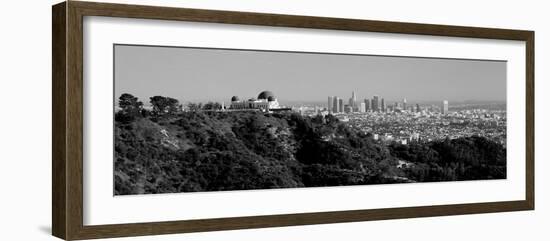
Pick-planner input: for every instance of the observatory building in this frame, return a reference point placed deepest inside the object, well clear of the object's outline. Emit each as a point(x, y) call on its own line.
point(266, 101)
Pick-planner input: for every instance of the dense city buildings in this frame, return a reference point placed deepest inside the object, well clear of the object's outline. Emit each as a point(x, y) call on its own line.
point(405, 122)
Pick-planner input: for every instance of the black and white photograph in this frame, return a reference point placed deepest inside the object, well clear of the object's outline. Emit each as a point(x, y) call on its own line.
point(190, 119)
point(256, 120)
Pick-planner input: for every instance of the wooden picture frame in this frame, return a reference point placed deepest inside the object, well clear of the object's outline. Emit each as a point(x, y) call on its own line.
point(67, 124)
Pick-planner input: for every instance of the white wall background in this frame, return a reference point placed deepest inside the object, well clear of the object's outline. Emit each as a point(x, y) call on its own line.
point(25, 119)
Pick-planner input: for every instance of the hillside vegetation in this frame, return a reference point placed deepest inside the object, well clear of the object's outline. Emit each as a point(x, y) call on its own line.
point(192, 151)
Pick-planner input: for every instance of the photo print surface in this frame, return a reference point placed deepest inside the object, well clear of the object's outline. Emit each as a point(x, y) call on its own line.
point(204, 119)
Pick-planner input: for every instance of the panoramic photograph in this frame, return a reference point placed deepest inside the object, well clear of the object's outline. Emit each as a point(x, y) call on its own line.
point(192, 119)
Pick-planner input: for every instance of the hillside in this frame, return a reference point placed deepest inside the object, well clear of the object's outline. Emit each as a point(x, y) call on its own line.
point(215, 151)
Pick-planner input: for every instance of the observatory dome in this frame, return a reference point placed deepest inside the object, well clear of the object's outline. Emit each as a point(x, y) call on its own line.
point(266, 94)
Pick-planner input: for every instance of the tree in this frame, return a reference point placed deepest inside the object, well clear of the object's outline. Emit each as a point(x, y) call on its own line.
point(194, 106)
point(164, 105)
point(130, 107)
point(212, 106)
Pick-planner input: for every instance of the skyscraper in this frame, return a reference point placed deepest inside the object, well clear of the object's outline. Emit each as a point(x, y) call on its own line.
point(375, 103)
point(335, 108)
point(330, 104)
point(383, 105)
point(363, 107)
point(417, 107)
point(404, 104)
point(353, 103)
point(367, 104)
point(445, 107)
point(340, 105)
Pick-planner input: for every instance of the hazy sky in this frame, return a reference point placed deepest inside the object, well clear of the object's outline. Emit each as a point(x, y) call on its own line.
point(191, 74)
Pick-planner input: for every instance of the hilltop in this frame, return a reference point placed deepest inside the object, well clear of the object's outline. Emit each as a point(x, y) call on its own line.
point(217, 150)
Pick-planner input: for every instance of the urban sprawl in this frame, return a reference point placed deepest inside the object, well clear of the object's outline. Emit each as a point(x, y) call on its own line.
point(407, 122)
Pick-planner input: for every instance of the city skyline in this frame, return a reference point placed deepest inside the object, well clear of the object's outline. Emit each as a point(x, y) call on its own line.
point(191, 74)
point(378, 104)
